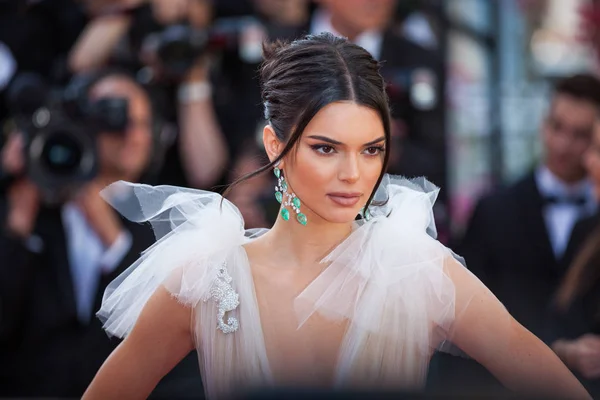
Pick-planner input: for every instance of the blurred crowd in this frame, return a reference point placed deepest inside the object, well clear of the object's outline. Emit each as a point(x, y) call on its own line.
point(166, 92)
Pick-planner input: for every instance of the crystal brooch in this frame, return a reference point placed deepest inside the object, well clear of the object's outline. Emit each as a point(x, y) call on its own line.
point(227, 300)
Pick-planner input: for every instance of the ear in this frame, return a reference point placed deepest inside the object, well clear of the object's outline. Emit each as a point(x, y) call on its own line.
point(273, 146)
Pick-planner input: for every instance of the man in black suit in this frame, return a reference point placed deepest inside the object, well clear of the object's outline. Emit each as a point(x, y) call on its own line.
point(517, 237)
point(574, 318)
point(57, 261)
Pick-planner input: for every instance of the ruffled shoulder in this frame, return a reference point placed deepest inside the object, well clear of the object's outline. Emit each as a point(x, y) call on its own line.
point(195, 232)
point(389, 277)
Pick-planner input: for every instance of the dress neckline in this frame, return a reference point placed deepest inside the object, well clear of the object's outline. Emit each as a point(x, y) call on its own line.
point(265, 356)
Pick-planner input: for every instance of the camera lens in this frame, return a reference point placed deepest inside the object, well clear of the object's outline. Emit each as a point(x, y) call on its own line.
point(178, 56)
point(60, 150)
point(61, 154)
point(178, 47)
point(178, 51)
point(110, 114)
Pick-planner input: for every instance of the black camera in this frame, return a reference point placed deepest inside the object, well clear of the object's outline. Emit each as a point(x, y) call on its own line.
point(60, 133)
point(177, 47)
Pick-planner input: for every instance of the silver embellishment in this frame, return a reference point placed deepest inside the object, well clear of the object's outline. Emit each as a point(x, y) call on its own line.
point(227, 299)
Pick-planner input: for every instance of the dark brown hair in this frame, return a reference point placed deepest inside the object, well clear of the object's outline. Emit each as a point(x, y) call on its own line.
point(300, 78)
point(581, 86)
point(583, 273)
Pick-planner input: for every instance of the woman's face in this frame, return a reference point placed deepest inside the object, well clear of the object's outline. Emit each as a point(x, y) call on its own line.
point(592, 160)
point(337, 162)
point(128, 152)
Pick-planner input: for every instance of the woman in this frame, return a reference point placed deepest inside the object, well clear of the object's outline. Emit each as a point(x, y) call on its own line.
point(319, 300)
point(575, 326)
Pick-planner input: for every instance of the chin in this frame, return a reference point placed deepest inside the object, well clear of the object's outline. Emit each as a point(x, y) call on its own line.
point(341, 216)
point(132, 169)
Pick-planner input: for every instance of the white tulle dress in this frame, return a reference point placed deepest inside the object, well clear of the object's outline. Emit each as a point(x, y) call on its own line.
point(400, 293)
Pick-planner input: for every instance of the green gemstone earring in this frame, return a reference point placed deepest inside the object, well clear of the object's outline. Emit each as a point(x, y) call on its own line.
point(281, 191)
point(364, 212)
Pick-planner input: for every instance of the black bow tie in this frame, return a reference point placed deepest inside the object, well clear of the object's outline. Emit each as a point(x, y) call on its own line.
point(568, 200)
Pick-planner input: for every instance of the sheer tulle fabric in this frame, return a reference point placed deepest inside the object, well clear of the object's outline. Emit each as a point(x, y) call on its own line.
point(402, 293)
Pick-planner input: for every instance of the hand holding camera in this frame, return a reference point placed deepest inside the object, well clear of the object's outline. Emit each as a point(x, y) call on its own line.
point(172, 53)
point(13, 162)
point(57, 144)
point(23, 203)
point(170, 11)
point(24, 198)
point(23, 195)
point(188, 38)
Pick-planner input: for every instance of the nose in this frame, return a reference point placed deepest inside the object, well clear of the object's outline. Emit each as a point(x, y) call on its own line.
point(562, 141)
point(349, 170)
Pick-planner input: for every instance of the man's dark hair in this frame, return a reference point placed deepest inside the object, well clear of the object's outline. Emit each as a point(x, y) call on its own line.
point(581, 86)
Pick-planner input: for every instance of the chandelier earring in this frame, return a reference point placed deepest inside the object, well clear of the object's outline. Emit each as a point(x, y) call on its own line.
point(287, 199)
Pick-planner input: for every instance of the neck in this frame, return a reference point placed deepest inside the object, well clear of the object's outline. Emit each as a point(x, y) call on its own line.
point(567, 180)
point(345, 29)
point(306, 244)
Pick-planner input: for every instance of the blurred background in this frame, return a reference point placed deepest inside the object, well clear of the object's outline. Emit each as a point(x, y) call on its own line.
point(495, 101)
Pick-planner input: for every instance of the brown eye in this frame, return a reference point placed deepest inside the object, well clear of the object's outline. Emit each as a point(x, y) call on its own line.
point(374, 150)
point(323, 149)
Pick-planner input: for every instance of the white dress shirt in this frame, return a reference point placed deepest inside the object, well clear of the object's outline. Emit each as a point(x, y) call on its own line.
point(369, 40)
point(561, 217)
point(89, 258)
point(8, 66)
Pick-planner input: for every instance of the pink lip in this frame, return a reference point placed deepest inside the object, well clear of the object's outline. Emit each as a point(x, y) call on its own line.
point(345, 199)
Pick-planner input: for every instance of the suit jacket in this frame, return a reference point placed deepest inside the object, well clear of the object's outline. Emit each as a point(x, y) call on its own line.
point(421, 151)
point(45, 349)
point(507, 246)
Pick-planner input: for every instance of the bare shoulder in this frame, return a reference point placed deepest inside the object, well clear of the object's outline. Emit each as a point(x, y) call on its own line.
point(470, 293)
point(159, 340)
point(164, 310)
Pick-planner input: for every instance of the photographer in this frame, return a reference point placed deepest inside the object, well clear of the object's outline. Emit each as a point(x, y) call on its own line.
point(36, 36)
point(128, 33)
point(58, 258)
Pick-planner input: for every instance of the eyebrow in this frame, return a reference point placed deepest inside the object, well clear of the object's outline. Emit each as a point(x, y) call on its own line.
point(329, 140)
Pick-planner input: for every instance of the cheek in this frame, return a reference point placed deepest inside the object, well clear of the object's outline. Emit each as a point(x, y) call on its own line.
point(551, 138)
point(109, 147)
point(311, 170)
point(588, 160)
point(371, 174)
point(592, 163)
point(373, 166)
point(547, 137)
point(582, 146)
point(139, 140)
